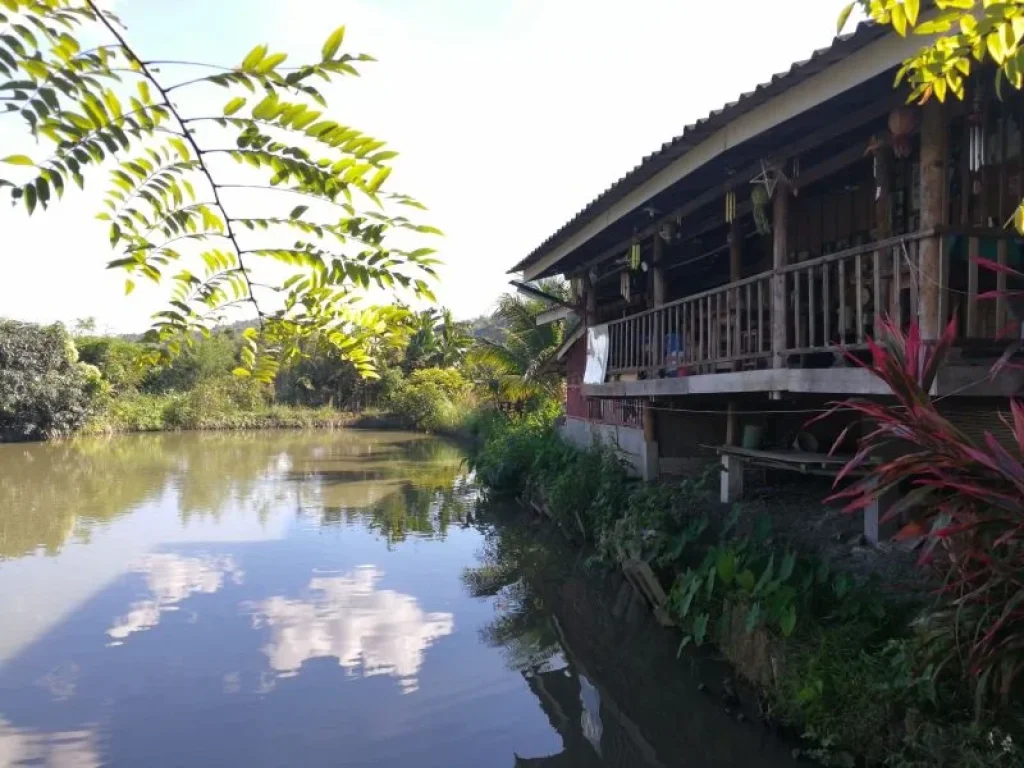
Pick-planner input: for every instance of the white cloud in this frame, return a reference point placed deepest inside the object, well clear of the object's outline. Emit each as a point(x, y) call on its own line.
point(57, 749)
point(368, 630)
point(172, 579)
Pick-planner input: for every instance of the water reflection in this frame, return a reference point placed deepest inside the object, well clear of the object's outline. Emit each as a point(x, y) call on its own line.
point(171, 579)
point(377, 631)
point(336, 598)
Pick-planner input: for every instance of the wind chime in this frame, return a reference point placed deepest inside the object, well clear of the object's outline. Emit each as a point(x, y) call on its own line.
point(625, 277)
point(730, 206)
point(976, 139)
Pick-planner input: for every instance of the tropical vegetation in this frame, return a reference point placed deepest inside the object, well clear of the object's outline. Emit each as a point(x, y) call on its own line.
point(187, 184)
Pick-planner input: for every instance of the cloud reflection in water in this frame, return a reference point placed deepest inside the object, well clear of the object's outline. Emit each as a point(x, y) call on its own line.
point(377, 631)
point(171, 579)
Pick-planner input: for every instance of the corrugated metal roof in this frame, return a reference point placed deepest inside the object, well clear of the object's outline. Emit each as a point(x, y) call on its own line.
point(864, 34)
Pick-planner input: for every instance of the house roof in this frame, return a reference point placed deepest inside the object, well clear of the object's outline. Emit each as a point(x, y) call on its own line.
point(693, 134)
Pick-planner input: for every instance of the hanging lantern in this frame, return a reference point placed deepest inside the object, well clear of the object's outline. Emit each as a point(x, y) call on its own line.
point(624, 285)
point(634, 256)
point(902, 124)
point(760, 198)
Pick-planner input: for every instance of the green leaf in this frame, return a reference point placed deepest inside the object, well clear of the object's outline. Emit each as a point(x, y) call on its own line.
point(333, 43)
point(700, 628)
point(17, 160)
point(912, 8)
point(181, 148)
point(786, 570)
point(787, 623)
point(844, 16)
point(297, 211)
point(268, 64)
point(745, 580)
point(30, 199)
point(129, 286)
point(753, 618)
point(726, 567)
point(254, 57)
point(899, 20)
point(234, 105)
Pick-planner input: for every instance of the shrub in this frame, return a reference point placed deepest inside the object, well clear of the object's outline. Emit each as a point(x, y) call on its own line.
point(44, 390)
point(968, 503)
point(431, 399)
point(122, 363)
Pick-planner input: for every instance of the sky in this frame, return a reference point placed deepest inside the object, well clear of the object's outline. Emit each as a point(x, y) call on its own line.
point(510, 116)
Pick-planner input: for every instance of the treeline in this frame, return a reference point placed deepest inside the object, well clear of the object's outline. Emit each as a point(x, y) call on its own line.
point(434, 374)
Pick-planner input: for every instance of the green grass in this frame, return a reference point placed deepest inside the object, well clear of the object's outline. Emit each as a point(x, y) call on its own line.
point(187, 411)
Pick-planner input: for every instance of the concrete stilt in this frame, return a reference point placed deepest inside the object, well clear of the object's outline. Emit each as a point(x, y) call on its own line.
point(732, 479)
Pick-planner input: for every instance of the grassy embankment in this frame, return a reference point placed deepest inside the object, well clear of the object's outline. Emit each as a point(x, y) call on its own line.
point(836, 657)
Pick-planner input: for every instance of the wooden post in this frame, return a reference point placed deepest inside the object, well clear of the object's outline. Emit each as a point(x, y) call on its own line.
point(589, 300)
point(735, 274)
point(658, 272)
point(731, 424)
point(933, 185)
point(780, 250)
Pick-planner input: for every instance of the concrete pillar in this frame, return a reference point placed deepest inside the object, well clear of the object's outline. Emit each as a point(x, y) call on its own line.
point(933, 188)
point(780, 251)
point(651, 458)
point(732, 479)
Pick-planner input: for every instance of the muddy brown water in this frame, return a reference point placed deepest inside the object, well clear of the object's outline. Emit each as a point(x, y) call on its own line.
point(339, 598)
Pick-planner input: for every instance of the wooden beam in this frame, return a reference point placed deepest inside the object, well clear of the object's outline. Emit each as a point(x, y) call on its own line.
point(808, 176)
point(780, 250)
point(933, 184)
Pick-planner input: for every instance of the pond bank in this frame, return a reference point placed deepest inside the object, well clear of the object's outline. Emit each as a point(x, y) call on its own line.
point(825, 635)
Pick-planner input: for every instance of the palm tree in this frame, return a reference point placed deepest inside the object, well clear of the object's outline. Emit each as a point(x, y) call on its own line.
point(452, 340)
point(519, 363)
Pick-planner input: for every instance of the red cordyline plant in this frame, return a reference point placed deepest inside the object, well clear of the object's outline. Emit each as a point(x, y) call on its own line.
point(966, 500)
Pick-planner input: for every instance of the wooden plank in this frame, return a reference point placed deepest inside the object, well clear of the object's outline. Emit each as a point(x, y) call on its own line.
point(826, 302)
point(842, 302)
point(780, 253)
point(760, 315)
point(750, 320)
point(798, 327)
point(897, 279)
point(811, 308)
point(858, 292)
point(876, 299)
point(913, 256)
point(972, 288)
point(1001, 258)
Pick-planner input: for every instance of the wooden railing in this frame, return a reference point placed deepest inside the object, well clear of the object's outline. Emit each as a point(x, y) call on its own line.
point(840, 298)
point(730, 324)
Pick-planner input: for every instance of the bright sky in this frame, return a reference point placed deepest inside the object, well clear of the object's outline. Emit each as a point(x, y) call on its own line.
point(510, 116)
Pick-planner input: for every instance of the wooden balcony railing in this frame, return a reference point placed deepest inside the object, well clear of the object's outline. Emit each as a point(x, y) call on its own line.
point(840, 298)
point(728, 324)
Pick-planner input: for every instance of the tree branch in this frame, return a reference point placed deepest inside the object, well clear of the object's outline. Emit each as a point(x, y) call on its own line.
point(195, 147)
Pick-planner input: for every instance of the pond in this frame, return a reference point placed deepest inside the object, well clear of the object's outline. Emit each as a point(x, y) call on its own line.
point(322, 598)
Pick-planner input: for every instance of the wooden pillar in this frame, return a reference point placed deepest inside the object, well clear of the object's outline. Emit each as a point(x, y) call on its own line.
point(589, 300)
point(780, 251)
point(658, 272)
point(933, 203)
point(731, 424)
point(736, 273)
